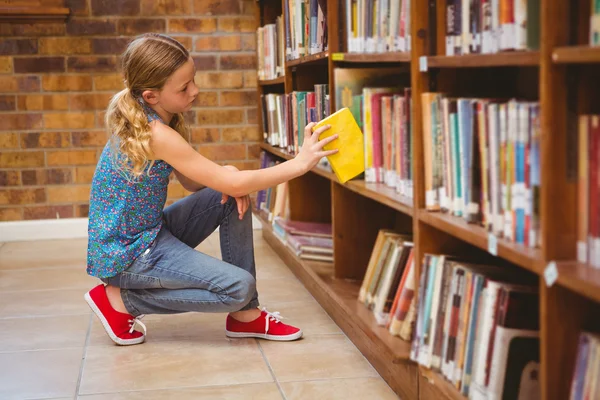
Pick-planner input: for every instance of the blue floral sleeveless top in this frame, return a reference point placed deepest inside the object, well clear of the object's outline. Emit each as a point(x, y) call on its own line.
point(125, 213)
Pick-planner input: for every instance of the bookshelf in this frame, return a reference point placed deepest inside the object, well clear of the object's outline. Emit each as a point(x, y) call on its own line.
point(560, 75)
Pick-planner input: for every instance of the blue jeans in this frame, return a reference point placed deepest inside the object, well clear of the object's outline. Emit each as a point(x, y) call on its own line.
point(172, 277)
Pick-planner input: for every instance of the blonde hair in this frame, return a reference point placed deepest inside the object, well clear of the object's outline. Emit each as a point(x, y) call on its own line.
point(147, 64)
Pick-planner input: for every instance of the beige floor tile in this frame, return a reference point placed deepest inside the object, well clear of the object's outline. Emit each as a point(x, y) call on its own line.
point(273, 292)
point(43, 302)
point(50, 278)
point(47, 253)
point(309, 316)
point(316, 357)
point(166, 365)
point(272, 268)
point(18, 334)
point(260, 391)
point(39, 374)
point(339, 389)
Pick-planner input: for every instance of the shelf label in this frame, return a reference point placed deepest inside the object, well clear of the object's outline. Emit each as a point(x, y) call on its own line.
point(492, 244)
point(550, 274)
point(423, 63)
point(337, 56)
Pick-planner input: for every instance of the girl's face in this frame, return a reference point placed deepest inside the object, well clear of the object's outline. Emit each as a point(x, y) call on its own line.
point(180, 90)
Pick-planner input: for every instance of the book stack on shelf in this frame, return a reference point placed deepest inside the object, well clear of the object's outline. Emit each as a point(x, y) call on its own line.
point(482, 163)
point(305, 27)
point(491, 26)
point(585, 384)
point(588, 230)
point(377, 27)
point(308, 240)
point(595, 23)
point(271, 50)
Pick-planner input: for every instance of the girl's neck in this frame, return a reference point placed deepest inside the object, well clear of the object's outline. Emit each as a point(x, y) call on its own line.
point(164, 115)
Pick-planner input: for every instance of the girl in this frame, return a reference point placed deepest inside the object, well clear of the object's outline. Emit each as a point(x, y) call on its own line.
point(145, 255)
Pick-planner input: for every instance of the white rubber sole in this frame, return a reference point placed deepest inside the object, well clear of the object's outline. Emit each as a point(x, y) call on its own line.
point(278, 338)
point(107, 328)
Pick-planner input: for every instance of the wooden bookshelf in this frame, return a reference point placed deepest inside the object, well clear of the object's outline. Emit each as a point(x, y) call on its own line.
point(357, 210)
point(268, 82)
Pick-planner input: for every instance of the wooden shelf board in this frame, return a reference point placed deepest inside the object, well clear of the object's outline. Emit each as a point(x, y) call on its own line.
point(476, 235)
point(580, 278)
point(441, 384)
point(311, 59)
point(339, 298)
point(376, 191)
point(267, 82)
point(515, 58)
point(391, 57)
point(576, 55)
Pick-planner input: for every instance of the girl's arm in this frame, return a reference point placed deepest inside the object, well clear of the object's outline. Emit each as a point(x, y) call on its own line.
point(168, 145)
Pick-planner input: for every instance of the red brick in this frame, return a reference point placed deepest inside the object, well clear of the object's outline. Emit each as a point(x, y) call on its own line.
point(238, 61)
point(25, 65)
point(89, 139)
point(249, 7)
point(220, 152)
point(109, 45)
point(250, 79)
point(192, 25)
point(35, 29)
point(219, 80)
point(67, 83)
point(204, 135)
point(166, 7)
point(8, 103)
point(11, 213)
point(84, 174)
point(207, 99)
point(11, 47)
point(186, 41)
point(78, 7)
point(6, 65)
point(92, 64)
point(115, 7)
point(100, 119)
point(19, 84)
point(237, 24)
point(88, 27)
point(13, 122)
point(65, 45)
point(45, 140)
point(10, 178)
point(90, 101)
point(141, 25)
point(47, 212)
point(238, 98)
point(9, 140)
point(252, 116)
point(73, 120)
point(21, 159)
point(68, 158)
point(249, 42)
point(40, 102)
point(82, 210)
point(53, 176)
point(244, 165)
point(22, 196)
point(204, 63)
point(222, 43)
point(241, 134)
point(253, 151)
point(190, 117)
point(210, 116)
point(68, 194)
point(109, 82)
point(217, 7)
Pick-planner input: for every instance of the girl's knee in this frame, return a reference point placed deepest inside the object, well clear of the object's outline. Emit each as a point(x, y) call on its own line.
point(244, 289)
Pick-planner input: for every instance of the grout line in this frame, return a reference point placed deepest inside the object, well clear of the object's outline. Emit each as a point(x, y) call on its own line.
point(85, 347)
point(271, 369)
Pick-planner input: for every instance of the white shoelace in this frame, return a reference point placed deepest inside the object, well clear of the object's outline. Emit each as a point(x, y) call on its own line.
point(136, 320)
point(271, 316)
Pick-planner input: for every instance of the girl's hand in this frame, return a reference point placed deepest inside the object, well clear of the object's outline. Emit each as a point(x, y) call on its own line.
point(243, 203)
point(312, 149)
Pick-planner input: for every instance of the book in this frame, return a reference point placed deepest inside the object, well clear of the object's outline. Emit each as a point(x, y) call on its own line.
point(349, 161)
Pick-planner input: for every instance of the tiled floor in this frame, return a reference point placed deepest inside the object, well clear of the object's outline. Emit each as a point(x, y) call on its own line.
point(52, 348)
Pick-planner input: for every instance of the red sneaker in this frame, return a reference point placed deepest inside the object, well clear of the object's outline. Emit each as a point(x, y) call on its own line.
point(118, 325)
point(267, 326)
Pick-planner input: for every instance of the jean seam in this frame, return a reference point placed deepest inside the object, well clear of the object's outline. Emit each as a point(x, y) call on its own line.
point(225, 225)
point(182, 301)
point(128, 304)
point(182, 274)
point(198, 215)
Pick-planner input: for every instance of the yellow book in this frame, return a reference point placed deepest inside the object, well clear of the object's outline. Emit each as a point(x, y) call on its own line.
point(349, 161)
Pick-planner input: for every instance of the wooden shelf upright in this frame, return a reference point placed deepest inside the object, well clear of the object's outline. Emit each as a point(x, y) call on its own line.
point(560, 75)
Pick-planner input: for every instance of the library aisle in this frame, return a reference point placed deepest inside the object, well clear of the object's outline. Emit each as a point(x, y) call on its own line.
point(52, 348)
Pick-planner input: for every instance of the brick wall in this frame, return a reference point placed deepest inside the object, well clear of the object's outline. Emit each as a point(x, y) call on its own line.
point(56, 80)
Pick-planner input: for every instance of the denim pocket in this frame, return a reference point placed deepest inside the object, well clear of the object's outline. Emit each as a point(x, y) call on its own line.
point(134, 280)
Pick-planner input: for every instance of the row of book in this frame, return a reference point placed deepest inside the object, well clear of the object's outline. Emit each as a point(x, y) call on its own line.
point(271, 50)
point(377, 26)
point(586, 378)
point(595, 23)
point(490, 26)
point(305, 27)
point(482, 163)
point(478, 326)
point(588, 208)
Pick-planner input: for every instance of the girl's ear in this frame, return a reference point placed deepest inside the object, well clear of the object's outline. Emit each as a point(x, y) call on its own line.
point(150, 96)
